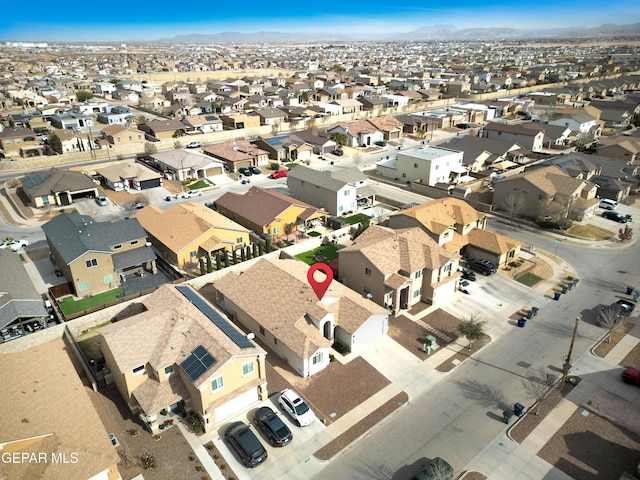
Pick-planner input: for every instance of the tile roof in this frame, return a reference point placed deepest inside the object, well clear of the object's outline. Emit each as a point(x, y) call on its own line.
point(183, 224)
point(491, 242)
point(137, 171)
point(166, 334)
point(42, 394)
point(262, 206)
point(550, 179)
point(56, 181)
point(405, 250)
point(440, 214)
point(287, 314)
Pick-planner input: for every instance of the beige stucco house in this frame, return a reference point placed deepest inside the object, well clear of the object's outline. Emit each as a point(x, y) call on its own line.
point(182, 355)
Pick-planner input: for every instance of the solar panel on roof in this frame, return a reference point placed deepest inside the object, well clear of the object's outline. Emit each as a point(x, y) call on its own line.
point(197, 363)
point(210, 117)
point(33, 180)
point(222, 323)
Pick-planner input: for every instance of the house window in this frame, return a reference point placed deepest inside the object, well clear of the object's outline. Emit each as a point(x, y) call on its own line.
point(262, 331)
point(193, 254)
point(275, 230)
point(7, 142)
point(367, 271)
point(340, 208)
point(346, 193)
point(415, 165)
point(138, 370)
point(92, 263)
point(416, 294)
point(367, 291)
point(247, 368)
point(217, 383)
point(239, 240)
point(134, 242)
point(83, 286)
point(404, 175)
point(130, 138)
point(117, 247)
point(168, 370)
point(108, 278)
point(446, 268)
point(119, 139)
point(418, 273)
point(317, 358)
point(437, 166)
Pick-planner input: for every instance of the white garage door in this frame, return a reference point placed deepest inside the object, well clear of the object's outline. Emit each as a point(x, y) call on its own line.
point(237, 405)
point(304, 154)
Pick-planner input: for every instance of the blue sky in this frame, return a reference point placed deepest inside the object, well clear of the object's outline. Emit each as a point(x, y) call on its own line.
point(151, 20)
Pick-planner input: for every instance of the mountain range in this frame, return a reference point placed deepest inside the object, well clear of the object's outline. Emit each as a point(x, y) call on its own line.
point(427, 33)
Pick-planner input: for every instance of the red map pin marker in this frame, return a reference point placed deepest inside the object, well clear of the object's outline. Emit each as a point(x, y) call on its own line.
point(320, 287)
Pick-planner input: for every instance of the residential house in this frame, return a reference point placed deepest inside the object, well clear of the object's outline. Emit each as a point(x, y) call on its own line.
point(429, 165)
point(20, 303)
point(375, 104)
point(302, 333)
point(162, 129)
point(390, 126)
point(49, 417)
point(97, 256)
point(57, 187)
point(319, 140)
point(202, 123)
point(582, 123)
point(239, 121)
point(347, 106)
point(72, 142)
point(399, 268)
point(459, 228)
point(123, 135)
point(361, 133)
point(284, 147)
point(481, 154)
point(270, 213)
point(71, 121)
point(529, 138)
point(127, 176)
point(272, 116)
point(13, 140)
point(182, 355)
point(338, 192)
point(621, 147)
point(185, 164)
point(237, 153)
point(545, 192)
point(188, 231)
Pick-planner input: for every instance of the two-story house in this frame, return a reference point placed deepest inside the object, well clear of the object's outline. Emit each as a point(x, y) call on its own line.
point(268, 212)
point(361, 133)
point(183, 355)
point(338, 192)
point(188, 231)
point(530, 138)
point(96, 256)
point(459, 228)
point(429, 165)
point(546, 192)
point(123, 135)
point(13, 140)
point(202, 123)
point(399, 268)
point(297, 326)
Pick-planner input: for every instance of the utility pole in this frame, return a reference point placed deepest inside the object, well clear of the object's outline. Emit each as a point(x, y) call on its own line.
point(567, 361)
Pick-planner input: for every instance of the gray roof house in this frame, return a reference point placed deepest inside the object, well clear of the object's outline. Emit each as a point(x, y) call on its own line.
point(20, 303)
point(98, 256)
point(58, 187)
point(337, 192)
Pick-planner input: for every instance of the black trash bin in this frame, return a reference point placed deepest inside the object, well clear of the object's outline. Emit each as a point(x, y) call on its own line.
point(529, 314)
point(535, 310)
point(518, 409)
point(507, 415)
point(629, 290)
point(556, 296)
point(564, 289)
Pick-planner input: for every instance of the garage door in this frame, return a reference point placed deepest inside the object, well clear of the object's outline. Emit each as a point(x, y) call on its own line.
point(304, 154)
point(237, 405)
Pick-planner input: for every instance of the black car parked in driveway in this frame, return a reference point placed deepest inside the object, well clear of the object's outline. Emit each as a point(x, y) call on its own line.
point(273, 427)
point(467, 274)
point(246, 444)
point(615, 216)
point(485, 267)
point(245, 171)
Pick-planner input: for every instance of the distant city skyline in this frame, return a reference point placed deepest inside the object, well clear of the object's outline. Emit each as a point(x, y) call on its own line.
point(161, 19)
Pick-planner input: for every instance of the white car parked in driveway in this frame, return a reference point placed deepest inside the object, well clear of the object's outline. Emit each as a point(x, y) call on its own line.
point(466, 287)
point(296, 408)
point(192, 194)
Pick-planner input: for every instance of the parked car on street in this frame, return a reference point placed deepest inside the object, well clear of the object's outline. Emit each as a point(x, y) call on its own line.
point(467, 274)
point(485, 267)
point(192, 194)
point(246, 444)
point(296, 408)
point(631, 376)
point(194, 145)
point(273, 427)
point(278, 174)
point(381, 143)
point(337, 152)
point(615, 216)
point(14, 244)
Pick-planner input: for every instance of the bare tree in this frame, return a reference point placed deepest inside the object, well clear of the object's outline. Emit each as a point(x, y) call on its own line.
point(357, 157)
point(610, 317)
point(514, 203)
point(150, 148)
point(177, 144)
point(472, 328)
point(537, 386)
point(625, 234)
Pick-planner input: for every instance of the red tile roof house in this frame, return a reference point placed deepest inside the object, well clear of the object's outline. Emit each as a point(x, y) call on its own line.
point(297, 326)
